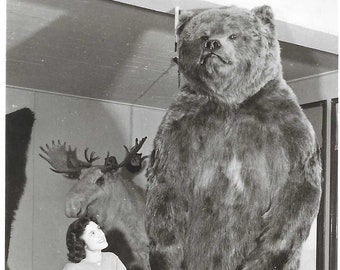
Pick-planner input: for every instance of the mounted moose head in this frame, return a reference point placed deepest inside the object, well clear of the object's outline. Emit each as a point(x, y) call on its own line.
point(101, 192)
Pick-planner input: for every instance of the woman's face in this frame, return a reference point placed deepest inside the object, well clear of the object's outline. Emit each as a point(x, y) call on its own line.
point(94, 237)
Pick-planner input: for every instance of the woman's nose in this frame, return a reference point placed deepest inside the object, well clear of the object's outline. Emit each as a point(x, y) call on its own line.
point(100, 233)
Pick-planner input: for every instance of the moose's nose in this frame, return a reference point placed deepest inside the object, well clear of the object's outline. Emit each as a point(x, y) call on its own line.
point(212, 44)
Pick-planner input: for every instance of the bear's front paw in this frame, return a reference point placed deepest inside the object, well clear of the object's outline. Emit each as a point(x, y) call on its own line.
point(252, 266)
point(257, 267)
point(264, 261)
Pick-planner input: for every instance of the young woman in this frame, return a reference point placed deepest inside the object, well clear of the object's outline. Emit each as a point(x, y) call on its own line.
point(85, 241)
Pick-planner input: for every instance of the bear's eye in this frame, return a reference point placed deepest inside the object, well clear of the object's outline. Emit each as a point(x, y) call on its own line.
point(233, 36)
point(205, 38)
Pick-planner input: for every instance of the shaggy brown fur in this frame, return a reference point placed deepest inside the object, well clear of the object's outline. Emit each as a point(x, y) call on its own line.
point(235, 176)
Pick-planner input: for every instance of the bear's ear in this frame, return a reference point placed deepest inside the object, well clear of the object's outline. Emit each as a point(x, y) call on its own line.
point(264, 13)
point(184, 17)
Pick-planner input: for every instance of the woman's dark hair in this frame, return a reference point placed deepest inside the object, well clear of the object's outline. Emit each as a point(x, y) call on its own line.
point(75, 245)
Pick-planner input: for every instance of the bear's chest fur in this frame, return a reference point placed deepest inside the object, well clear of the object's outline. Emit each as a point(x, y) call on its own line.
point(196, 137)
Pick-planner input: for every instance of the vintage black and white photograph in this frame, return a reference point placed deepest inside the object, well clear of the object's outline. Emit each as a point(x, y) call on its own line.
point(171, 135)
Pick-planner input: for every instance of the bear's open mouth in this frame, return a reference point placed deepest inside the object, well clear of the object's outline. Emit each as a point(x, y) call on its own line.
point(212, 54)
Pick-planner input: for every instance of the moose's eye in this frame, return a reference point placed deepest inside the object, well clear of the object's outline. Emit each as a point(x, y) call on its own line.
point(205, 38)
point(233, 36)
point(100, 181)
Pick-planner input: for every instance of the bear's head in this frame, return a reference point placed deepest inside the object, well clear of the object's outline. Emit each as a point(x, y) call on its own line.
point(229, 52)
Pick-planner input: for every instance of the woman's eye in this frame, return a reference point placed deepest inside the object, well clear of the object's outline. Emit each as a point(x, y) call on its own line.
point(205, 38)
point(100, 181)
point(233, 36)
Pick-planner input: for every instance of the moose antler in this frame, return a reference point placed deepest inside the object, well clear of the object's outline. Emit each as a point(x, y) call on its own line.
point(111, 162)
point(65, 161)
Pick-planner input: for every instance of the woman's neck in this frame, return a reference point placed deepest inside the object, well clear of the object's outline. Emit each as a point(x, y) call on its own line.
point(93, 256)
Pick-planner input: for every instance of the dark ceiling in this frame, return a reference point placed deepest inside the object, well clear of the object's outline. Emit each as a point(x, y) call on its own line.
point(111, 51)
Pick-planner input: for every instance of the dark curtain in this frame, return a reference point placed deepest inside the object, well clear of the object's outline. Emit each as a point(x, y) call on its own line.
point(18, 134)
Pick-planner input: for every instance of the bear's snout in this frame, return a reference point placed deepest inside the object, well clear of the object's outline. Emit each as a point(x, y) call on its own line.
point(212, 45)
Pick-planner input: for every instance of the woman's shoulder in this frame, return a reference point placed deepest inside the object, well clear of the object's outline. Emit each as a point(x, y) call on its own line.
point(113, 260)
point(71, 266)
point(109, 255)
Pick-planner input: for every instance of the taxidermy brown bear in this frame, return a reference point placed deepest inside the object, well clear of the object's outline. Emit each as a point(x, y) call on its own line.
point(234, 180)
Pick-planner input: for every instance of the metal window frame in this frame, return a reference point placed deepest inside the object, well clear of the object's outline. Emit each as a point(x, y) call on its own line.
point(321, 219)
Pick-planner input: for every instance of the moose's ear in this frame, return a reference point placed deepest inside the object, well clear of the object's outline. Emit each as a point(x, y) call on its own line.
point(264, 13)
point(184, 17)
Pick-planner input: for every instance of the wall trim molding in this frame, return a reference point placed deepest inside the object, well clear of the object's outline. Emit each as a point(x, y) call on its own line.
point(83, 97)
point(313, 76)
